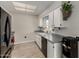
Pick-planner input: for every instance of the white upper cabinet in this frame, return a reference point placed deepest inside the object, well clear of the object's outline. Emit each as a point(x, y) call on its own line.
point(53, 19)
point(51, 22)
point(58, 19)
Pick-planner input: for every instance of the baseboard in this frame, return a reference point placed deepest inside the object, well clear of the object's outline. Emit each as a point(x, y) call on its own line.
point(24, 42)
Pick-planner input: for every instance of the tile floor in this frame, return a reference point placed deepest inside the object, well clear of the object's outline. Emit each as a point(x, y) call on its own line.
point(26, 50)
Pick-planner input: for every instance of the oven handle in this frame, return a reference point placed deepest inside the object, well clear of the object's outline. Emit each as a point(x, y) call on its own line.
point(64, 45)
point(68, 47)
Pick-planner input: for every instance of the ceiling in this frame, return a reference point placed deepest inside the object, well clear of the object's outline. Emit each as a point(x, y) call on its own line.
point(41, 6)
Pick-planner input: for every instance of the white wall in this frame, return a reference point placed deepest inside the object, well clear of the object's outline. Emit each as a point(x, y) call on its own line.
point(75, 18)
point(73, 21)
point(24, 25)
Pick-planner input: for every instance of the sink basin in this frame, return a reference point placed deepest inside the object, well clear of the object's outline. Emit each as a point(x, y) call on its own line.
point(57, 38)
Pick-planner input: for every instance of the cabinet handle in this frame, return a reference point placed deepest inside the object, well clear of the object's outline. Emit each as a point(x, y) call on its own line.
point(53, 29)
point(60, 24)
point(64, 45)
point(53, 46)
point(69, 47)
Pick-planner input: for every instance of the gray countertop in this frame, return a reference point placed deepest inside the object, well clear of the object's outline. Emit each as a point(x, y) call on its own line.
point(53, 36)
point(50, 37)
point(63, 34)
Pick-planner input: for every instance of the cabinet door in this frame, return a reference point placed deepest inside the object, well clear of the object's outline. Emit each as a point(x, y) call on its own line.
point(50, 50)
point(38, 41)
point(57, 50)
point(51, 22)
point(58, 22)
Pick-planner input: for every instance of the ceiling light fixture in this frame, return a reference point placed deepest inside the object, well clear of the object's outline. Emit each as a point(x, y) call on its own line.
point(24, 7)
point(20, 9)
point(18, 4)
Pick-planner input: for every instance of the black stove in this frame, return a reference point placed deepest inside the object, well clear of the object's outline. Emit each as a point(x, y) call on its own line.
point(70, 47)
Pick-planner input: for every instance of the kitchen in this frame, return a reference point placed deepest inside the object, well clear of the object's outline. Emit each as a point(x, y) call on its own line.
point(45, 26)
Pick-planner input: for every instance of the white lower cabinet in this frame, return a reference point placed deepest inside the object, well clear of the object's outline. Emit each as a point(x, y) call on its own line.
point(38, 41)
point(54, 50)
point(57, 50)
point(50, 50)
